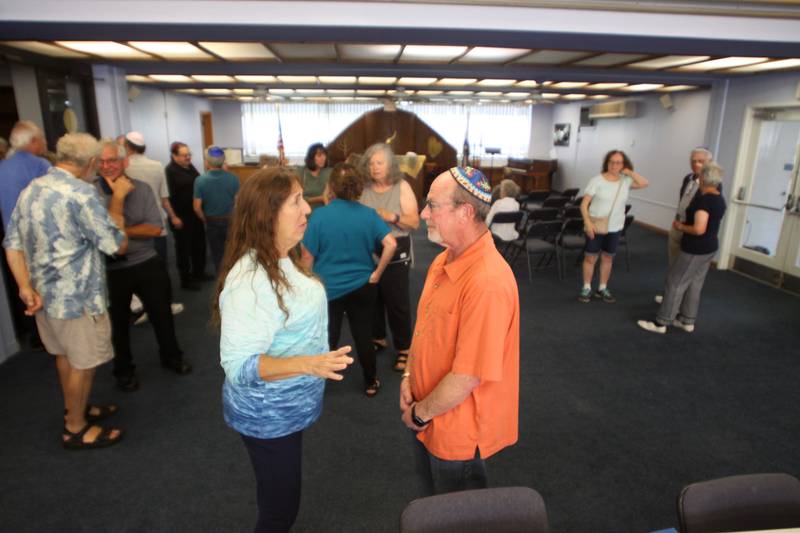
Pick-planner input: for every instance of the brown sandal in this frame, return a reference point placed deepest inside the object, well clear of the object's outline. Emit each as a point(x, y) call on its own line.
point(400, 362)
point(372, 389)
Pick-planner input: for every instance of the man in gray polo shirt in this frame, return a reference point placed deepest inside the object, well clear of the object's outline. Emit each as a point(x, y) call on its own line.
point(141, 272)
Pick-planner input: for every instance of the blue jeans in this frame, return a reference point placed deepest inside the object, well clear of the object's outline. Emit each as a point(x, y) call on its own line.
point(216, 233)
point(437, 476)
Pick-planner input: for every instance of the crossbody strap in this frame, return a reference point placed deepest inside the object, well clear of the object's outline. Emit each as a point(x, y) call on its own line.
point(615, 198)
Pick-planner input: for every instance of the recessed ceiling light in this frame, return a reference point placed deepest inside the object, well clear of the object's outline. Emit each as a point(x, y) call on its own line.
point(217, 91)
point(416, 81)
point(188, 91)
point(607, 60)
point(107, 49)
point(171, 50)
point(281, 91)
point(771, 65)
point(518, 94)
point(456, 81)
point(667, 62)
point(484, 54)
point(598, 96)
point(605, 86)
point(243, 91)
point(459, 93)
point(297, 79)
point(365, 99)
point(463, 100)
point(369, 52)
point(172, 78)
point(245, 98)
point(339, 91)
point(337, 79)
point(550, 96)
point(421, 52)
point(296, 98)
point(496, 83)
point(256, 79)
point(342, 98)
point(527, 83)
point(309, 91)
point(574, 96)
point(570, 84)
point(43, 48)
point(489, 93)
point(725, 62)
point(136, 78)
point(213, 78)
point(551, 57)
point(376, 80)
point(639, 87)
point(238, 51)
point(304, 50)
point(672, 88)
point(375, 92)
point(429, 93)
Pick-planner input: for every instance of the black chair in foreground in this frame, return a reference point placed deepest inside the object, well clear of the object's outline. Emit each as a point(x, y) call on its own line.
point(543, 213)
point(555, 201)
point(517, 218)
point(571, 237)
point(495, 510)
point(541, 240)
point(572, 211)
point(533, 199)
point(740, 503)
point(570, 193)
point(623, 240)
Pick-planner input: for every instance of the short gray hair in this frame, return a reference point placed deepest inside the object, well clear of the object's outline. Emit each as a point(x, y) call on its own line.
point(23, 133)
point(111, 143)
point(508, 189)
point(214, 161)
point(393, 172)
point(76, 148)
point(461, 196)
point(712, 174)
point(705, 151)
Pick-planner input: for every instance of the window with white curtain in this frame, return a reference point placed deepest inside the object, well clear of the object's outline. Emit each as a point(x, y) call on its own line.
point(507, 127)
point(302, 124)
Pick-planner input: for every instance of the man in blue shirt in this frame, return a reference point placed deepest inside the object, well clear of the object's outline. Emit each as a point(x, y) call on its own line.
point(214, 196)
point(16, 172)
point(57, 235)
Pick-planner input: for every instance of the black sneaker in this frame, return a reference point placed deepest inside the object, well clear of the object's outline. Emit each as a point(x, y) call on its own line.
point(605, 295)
point(585, 295)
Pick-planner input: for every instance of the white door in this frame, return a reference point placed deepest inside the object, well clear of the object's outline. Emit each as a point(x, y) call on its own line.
point(766, 205)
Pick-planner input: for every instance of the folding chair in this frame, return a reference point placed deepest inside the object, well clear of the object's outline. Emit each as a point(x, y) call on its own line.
point(570, 237)
point(518, 218)
point(541, 240)
point(543, 213)
point(572, 211)
point(570, 193)
point(555, 201)
point(533, 199)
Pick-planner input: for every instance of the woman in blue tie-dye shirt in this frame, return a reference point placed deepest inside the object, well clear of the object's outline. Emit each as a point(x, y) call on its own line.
point(273, 344)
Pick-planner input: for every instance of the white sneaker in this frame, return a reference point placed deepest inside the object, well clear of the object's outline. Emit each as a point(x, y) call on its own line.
point(688, 328)
point(659, 298)
point(141, 320)
point(651, 326)
point(177, 308)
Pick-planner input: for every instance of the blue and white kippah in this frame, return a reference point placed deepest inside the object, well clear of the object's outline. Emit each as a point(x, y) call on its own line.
point(474, 182)
point(216, 151)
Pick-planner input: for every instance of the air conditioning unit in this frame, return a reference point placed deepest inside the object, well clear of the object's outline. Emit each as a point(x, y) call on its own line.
point(616, 109)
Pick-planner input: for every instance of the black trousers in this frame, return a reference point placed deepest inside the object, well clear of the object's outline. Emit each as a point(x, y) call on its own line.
point(190, 246)
point(393, 302)
point(358, 305)
point(150, 282)
point(216, 233)
point(438, 476)
point(277, 466)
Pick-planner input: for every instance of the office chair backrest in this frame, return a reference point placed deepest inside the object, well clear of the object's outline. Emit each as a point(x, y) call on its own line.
point(740, 503)
point(499, 510)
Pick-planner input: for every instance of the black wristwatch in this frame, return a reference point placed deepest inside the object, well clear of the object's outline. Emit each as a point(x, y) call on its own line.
point(417, 420)
point(396, 218)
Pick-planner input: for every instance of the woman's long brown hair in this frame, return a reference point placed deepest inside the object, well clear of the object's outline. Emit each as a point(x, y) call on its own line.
point(253, 227)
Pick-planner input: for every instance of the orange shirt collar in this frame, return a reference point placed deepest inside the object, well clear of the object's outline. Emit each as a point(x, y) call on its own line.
point(456, 268)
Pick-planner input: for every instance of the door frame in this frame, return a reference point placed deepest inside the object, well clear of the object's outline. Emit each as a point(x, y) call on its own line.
point(741, 178)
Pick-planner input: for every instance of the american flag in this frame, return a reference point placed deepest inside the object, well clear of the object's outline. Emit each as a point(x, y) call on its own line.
point(281, 153)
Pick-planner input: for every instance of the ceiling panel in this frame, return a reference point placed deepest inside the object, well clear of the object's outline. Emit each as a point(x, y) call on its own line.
point(172, 50)
point(667, 62)
point(432, 54)
point(303, 50)
point(239, 51)
point(47, 49)
point(608, 60)
point(369, 52)
point(552, 57)
point(105, 49)
point(486, 54)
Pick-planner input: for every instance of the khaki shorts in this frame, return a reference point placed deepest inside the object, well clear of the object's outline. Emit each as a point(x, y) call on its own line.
point(85, 341)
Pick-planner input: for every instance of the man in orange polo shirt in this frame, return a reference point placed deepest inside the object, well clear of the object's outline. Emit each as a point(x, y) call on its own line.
point(460, 393)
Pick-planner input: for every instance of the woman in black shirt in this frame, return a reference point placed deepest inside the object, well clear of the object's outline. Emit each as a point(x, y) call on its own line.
point(698, 246)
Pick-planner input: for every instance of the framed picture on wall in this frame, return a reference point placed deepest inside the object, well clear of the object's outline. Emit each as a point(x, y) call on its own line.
point(561, 134)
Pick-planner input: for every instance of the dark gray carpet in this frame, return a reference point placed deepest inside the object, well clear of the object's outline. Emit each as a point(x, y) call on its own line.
point(614, 420)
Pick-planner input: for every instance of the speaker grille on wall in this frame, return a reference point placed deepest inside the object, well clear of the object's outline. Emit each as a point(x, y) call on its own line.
point(666, 101)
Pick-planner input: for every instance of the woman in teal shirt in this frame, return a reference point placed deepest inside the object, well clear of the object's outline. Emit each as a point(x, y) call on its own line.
point(273, 343)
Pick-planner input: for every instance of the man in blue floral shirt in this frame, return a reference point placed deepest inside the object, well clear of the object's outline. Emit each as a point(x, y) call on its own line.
point(57, 233)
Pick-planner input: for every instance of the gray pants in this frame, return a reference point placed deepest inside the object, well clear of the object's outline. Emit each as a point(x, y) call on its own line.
point(673, 245)
point(685, 280)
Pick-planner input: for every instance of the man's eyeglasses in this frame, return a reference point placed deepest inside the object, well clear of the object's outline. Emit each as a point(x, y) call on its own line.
point(114, 161)
point(435, 205)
